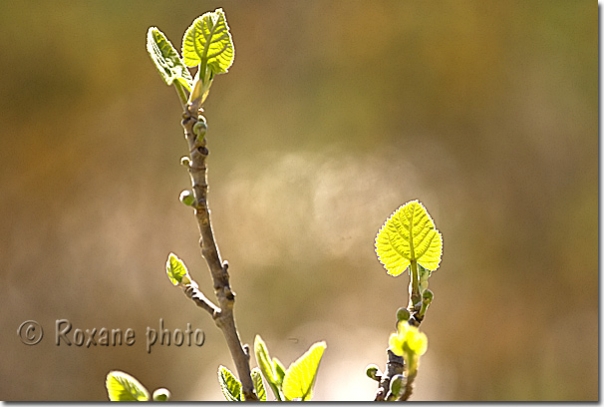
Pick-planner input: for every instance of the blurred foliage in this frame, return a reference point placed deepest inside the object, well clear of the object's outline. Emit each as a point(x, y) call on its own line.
point(500, 96)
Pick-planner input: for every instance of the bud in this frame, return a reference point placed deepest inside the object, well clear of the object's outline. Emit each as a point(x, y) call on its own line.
point(402, 314)
point(200, 128)
point(187, 197)
point(185, 161)
point(373, 372)
point(161, 395)
point(397, 385)
point(427, 297)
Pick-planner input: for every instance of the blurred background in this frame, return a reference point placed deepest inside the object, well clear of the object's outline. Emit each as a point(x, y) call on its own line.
point(333, 115)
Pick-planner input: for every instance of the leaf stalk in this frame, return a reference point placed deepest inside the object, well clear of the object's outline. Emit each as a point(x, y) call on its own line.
point(415, 297)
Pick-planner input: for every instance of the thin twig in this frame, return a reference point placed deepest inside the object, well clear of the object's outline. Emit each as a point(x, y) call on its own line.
point(201, 300)
point(223, 316)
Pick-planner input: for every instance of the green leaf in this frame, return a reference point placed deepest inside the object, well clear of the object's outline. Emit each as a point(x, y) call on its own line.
point(166, 59)
point(266, 367)
point(176, 270)
point(208, 43)
point(258, 384)
point(279, 370)
point(408, 339)
point(230, 386)
point(300, 376)
point(123, 387)
point(263, 359)
point(409, 235)
point(409, 343)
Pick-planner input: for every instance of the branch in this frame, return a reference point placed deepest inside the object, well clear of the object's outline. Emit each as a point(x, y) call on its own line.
point(395, 365)
point(201, 300)
point(223, 316)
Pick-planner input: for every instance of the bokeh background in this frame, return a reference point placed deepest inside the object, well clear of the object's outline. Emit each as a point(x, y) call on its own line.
point(333, 115)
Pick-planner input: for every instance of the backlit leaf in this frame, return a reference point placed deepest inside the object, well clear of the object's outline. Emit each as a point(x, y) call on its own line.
point(258, 384)
point(266, 367)
point(208, 42)
point(408, 339)
point(166, 59)
point(409, 235)
point(409, 343)
point(300, 376)
point(279, 370)
point(123, 387)
point(176, 270)
point(230, 386)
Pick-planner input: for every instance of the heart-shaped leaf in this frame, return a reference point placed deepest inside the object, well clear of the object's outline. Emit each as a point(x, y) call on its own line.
point(208, 43)
point(409, 235)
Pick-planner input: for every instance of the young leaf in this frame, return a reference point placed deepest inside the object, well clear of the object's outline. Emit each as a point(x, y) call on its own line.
point(166, 59)
point(230, 386)
point(409, 235)
point(264, 362)
point(123, 387)
point(409, 343)
point(300, 376)
point(208, 43)
point(408, 338)
point(279, 370)
point(258, 384)
point(176, 270)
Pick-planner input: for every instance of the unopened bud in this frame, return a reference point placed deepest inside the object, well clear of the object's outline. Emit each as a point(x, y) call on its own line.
point(187, 197)
point(373, 372)
point(402, 314)
point(397, 385)
point(200, 128)
point(427, 297)
point(161, 395)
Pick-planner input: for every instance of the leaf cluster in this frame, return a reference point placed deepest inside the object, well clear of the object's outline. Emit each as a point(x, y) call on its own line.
point(292, 384)
point(207, 45)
